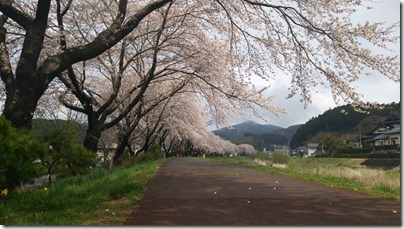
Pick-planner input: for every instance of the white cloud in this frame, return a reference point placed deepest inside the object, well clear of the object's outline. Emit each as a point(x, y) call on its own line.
point(374, 88)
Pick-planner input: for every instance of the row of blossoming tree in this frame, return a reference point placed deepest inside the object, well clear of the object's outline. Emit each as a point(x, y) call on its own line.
point(157, 72)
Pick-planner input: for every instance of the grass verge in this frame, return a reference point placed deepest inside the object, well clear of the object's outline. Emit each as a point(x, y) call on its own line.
point(99, 198)
point(336, 172)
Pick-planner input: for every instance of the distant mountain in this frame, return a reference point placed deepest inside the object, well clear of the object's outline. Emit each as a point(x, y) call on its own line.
point(258, 135)
point(248, 127)
point(288, 132)
point(343, 122)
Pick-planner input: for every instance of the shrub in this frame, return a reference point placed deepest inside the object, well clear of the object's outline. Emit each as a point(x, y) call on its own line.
point(63, 155)
point(78, 161)
point(18, 152)
point(52, 157)
point(280, 158)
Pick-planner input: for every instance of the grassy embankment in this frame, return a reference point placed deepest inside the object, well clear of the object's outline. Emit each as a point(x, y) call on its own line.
point(337, 172)
point(99, 198)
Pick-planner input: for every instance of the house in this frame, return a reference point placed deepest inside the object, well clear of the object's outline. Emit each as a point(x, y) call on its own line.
point(307, 151)
point(385, 136)
point(311, 149)
point(394, 136)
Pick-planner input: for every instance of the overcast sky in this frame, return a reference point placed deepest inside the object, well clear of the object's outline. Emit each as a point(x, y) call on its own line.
point(376, 88)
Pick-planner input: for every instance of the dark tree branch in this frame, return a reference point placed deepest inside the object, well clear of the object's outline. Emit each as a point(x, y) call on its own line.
point(6, 72)
point(16, 15)
point(105, 40)
point(33, 42)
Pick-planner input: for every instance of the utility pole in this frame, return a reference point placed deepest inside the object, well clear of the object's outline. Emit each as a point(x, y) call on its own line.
point(391, 112)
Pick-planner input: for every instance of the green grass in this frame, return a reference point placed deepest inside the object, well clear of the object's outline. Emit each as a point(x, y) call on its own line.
point(337, 172)
point(99, 198)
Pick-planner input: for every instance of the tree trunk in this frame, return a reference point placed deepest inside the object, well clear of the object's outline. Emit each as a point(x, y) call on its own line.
point(92, 138)
point(131, 152)
point(118, 156)
point(50, 175)
point(20, 105)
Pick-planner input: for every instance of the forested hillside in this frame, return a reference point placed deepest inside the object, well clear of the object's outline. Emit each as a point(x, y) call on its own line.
point(342, 120)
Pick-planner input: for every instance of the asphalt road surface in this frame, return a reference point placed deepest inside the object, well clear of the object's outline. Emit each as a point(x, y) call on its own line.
point(192, 191)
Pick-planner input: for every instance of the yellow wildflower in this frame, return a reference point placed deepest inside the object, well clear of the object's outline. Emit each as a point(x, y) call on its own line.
point(45, 188)
point(4, 192)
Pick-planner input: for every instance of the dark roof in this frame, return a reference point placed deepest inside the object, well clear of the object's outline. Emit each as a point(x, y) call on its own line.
point(381, 136)
point(363, 137)
point(380, 125)
point(312, 145)
point(394, 130)
point(368, 136)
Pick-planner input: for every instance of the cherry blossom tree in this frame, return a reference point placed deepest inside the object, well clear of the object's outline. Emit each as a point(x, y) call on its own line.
point(185, 127)
point(246, 149)
point(314, 42)
point(144, 120)
point(99, 87)
point(165, 60)
point(178, 125)
point(29, 37)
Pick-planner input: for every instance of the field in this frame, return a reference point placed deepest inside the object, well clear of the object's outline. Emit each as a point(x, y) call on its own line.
point(337, 172)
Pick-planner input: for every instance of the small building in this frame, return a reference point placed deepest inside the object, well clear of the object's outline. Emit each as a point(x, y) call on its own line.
point(394, 136)
point(311, 149)
point(385, 136)
point(307, 151)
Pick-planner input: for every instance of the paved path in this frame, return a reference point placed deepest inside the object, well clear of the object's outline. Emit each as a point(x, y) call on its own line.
point(191, 191)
